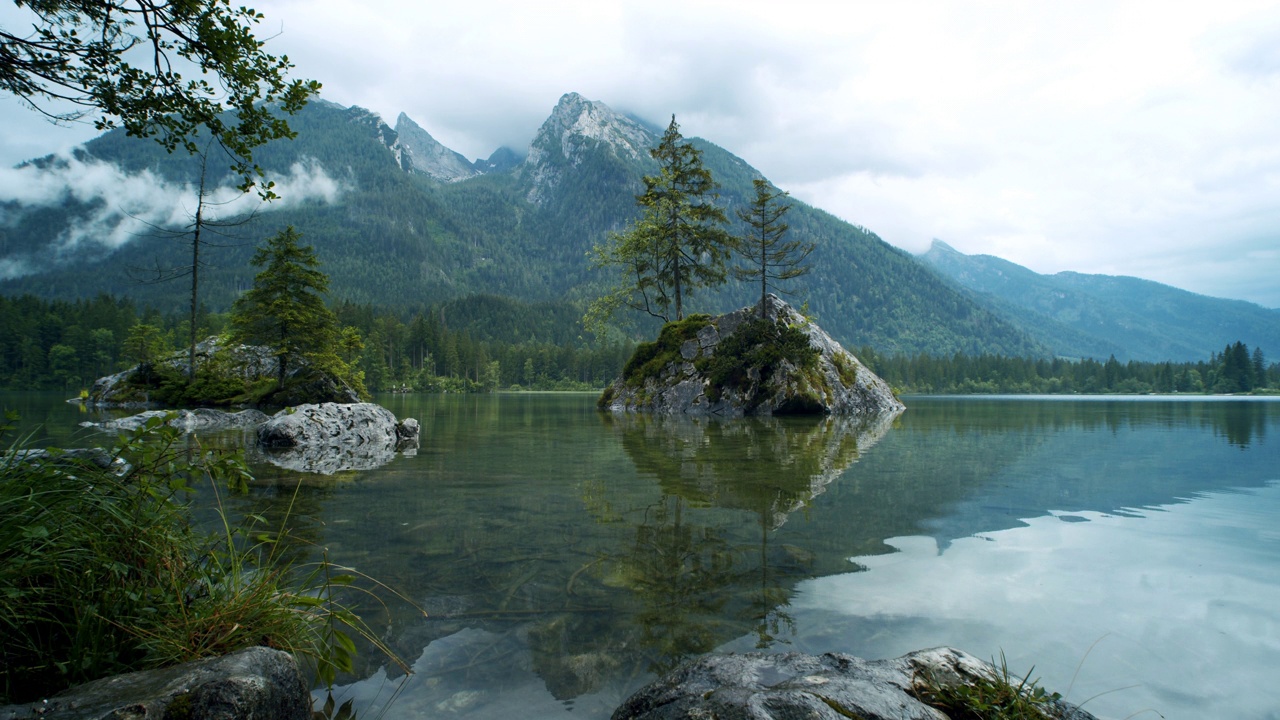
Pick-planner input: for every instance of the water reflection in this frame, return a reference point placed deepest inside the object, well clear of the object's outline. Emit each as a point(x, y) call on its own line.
point(564, 556)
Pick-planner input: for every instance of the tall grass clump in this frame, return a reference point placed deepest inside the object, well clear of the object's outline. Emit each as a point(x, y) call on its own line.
point(1000, 696)
point(103, 572)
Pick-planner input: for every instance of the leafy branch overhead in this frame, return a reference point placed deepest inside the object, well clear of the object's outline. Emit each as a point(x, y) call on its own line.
point(123, 61)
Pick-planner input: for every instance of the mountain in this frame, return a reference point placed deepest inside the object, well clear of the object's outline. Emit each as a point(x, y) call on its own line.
point(427, 156)
point(1079, 315)
point(400, 221)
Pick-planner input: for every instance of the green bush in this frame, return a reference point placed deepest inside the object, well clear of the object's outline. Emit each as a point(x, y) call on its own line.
point(102, 572)
point(651, 357)
point(761, 345)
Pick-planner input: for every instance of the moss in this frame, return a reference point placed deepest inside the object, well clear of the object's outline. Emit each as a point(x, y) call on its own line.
point(179, 707)
point(840, 709)
point(606, 398)
point(649, 359)
point(845, 369)
point(761, 345)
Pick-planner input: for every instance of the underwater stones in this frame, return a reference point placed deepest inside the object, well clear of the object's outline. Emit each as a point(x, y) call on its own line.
point(187, 420)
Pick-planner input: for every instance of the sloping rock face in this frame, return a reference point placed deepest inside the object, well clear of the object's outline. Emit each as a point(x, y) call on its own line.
point(327, 438)
point(834, 383)
point(247, 685)
point(833, 686)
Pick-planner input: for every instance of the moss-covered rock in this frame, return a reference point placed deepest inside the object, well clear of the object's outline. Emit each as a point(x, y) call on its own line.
point(742, 363)
point(226, 374)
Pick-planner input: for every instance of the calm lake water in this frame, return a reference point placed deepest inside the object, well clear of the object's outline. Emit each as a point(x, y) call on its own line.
point(1128, 548)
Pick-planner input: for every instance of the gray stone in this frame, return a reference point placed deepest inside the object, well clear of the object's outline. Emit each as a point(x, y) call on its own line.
point(250, 363)
point(833, 686)
point(252, 684)
point(839, 384)
point(187, 420)
point(96, 457)
point(327, 438)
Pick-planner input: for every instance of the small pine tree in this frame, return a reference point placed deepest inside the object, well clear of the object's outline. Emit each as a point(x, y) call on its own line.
point(769, 257)
point(285, 310)
point(679, 243)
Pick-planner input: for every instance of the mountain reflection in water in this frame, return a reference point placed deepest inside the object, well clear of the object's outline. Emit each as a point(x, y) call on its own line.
point(564, 556)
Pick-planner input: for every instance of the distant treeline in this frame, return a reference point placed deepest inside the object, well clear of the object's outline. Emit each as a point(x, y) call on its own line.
point(1234, 370)
point(486, 342)
point(481, 343)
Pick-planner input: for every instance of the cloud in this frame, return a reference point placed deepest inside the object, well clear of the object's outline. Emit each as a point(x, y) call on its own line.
point(1081, 136)
point(119, 206)
point(1182, 613)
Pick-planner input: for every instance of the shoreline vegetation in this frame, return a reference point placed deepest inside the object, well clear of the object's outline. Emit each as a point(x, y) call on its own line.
point(486, 343)
point(102, 570)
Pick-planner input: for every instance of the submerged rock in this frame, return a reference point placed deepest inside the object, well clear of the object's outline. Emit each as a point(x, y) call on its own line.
point(68, 459)
point(253, 683)
point(738, 364)
point(327, 438)
point(187, 420)
point(833, 686)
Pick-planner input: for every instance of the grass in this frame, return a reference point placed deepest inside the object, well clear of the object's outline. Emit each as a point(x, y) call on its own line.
point(102, 572)
point(1000, 697)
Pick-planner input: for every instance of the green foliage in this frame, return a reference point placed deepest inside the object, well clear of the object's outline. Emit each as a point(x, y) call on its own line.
point(768, 256)
point(679, 243)
point(101, 571)
point(285, 310)
point(759, 345)
point(79, 52)
point(1003, 697)
point(650, 358)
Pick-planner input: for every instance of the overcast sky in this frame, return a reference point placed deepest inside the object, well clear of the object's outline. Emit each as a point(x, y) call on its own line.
point(1132, 138)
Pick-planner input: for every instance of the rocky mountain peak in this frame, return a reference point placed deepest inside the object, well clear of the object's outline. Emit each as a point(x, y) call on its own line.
point(421, 153)
point(575, 126)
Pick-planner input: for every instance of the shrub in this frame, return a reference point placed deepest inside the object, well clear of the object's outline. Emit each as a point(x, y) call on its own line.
point(761, 345)
point(102, 572)
point(651, 357)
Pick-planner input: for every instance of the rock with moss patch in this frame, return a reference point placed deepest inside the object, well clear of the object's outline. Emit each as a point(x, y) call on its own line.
point(227, 373)
point(743, 364)
point(832, 686)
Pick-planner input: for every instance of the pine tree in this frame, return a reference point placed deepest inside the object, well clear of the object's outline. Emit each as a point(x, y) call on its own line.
point(285, 310)
point(678, 245)
point(769, 257)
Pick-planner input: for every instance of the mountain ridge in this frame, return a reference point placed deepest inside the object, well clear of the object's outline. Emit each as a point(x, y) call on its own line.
point(1131, 318)
point(396, 235)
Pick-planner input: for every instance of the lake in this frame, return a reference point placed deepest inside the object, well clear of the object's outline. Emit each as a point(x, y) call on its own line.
point(1127, 548)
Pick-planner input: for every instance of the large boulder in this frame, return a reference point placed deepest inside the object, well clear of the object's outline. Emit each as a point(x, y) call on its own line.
point(333, 437)
point(252, 684)
point(833, 686)
point(737, 364)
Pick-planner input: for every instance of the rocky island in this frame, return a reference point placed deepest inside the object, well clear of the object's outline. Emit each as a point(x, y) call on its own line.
point(748, 363)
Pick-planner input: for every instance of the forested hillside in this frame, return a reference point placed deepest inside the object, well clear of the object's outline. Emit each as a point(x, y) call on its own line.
point(391, 237)
point(1079, 315)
